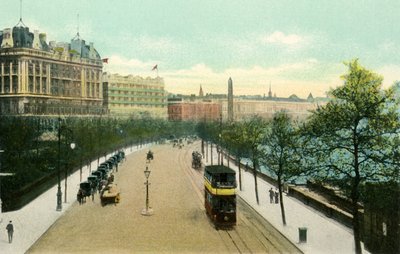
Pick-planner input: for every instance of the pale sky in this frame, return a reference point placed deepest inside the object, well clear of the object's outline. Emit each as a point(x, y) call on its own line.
point(297, 46)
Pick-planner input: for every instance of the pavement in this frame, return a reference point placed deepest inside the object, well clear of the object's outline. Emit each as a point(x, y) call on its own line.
point(34, 219)
point(324, 235)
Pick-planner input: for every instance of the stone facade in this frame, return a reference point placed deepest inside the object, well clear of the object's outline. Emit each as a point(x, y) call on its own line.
point(41, 79)
point(134, 96)
point(245, 109)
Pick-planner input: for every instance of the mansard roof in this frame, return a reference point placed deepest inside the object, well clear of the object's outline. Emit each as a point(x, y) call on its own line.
point(20, 37)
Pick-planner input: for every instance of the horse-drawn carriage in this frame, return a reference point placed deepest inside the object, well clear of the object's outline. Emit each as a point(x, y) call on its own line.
point(196, 159)
point(110, 194)
point(85, 190)
point(150, 155)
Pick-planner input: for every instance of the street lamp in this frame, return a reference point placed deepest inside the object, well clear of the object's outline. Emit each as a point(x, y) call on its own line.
point(72, 146)
point(148, 210)
point(59, 193)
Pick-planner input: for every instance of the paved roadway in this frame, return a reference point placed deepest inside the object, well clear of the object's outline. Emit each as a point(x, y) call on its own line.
point(179, 223)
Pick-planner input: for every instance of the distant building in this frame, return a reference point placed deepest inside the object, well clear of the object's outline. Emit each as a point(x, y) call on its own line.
point(310, 98)
point(46, 79)
point(245, 108)
point(270, 92)
point(134, 96)
point(230, 100)
point(201, 94)
point(180, 110)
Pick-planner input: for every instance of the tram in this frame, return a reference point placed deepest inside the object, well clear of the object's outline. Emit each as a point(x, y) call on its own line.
point(220, 195)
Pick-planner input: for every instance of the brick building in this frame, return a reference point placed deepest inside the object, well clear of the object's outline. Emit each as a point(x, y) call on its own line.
point(179, 110)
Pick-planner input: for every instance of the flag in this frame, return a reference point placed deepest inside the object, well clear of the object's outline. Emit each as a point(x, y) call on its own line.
point(155, 67)
point(105, 60)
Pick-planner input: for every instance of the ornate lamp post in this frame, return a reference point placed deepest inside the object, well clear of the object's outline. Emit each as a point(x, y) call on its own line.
point(72, 146)
point(147, 211)
point(59, 193)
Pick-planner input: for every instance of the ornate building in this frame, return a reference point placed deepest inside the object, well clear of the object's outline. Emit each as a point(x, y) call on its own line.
point(134, 96)
point(46, 79)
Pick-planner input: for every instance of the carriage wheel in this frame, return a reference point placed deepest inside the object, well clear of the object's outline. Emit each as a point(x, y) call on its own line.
point(117, 198)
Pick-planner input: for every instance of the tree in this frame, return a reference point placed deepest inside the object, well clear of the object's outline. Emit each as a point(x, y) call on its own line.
point(253, 133)
point(280, 152)
point(355, 134)
point(235, 143)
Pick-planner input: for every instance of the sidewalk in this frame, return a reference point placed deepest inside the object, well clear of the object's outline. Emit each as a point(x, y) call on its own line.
point(324, 235)
point(34, 219)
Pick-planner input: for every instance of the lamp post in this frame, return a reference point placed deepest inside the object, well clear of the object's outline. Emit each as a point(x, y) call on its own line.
point(147, 211)
point(59, 193)
point(72, 146)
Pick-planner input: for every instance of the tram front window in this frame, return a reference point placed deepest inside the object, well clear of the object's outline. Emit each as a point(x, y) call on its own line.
point(227, 205)
point(226, 180)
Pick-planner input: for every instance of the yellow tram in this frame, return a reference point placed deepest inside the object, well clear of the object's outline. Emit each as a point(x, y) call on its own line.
point(220, 195)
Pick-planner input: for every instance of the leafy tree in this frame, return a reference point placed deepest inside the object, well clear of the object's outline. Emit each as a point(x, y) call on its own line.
point(209, 131)
point(253, 133)
point(355, 134)
point(235, 143)
point(280, 152)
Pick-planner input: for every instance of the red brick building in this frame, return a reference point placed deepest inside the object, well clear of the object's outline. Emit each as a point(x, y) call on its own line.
point(194, 111)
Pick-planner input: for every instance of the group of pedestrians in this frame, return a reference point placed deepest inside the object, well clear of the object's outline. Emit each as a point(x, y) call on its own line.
point(273, 196)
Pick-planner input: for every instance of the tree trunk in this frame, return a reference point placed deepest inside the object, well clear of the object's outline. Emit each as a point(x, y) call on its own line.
point(281, 200)
point(356, 221)
point(211, 153)
point(66, 184)
point(240, 173)
point(355, 194)
point(202, 147)
point(255, 181)
point(207, 151)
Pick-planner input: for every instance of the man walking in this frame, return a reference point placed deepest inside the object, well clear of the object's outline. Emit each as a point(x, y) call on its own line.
point(276, 196)
point(271, 195)
point(10, 231)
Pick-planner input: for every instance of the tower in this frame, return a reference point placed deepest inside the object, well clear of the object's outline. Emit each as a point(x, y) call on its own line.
point(201, 94)
point(230, 100)
point(270, 91)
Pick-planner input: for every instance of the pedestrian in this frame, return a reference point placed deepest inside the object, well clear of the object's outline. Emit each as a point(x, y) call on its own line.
point(93, 195)
point(276, 196)
point(271, 195)
point(79, 196)
point(10, 231)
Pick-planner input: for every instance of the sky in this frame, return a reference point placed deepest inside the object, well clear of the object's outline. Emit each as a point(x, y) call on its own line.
point(294, 46)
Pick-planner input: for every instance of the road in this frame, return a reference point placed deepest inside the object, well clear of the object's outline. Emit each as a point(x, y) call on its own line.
point(179, 223)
